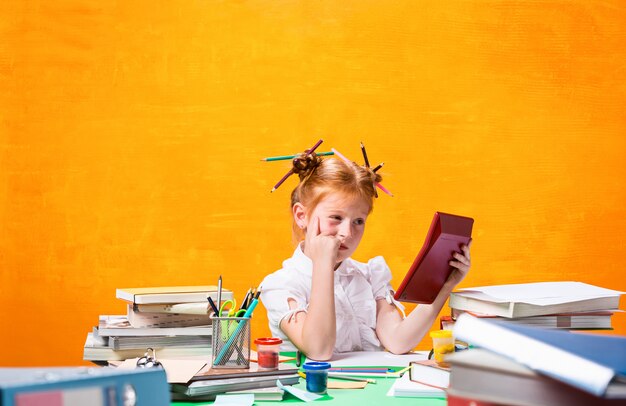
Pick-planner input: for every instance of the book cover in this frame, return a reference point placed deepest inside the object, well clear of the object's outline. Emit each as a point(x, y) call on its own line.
point(486, 376)
point(431, 268)
point(592, 363)
point(171, 294)
point(534, 299)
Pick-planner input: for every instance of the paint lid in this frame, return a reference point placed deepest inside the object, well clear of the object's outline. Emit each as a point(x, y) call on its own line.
point(268, 341)
point(316, 366)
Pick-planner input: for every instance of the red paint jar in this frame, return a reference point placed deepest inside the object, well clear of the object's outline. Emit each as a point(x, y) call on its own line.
point(267, 351)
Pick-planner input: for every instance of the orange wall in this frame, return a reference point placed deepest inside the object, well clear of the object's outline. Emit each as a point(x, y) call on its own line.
point(130, 138)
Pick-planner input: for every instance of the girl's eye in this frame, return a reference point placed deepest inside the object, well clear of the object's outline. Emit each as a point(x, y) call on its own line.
point(359, 222)
point(337, 218)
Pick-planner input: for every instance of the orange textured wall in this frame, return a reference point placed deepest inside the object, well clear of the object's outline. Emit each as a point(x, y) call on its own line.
point(131, 133)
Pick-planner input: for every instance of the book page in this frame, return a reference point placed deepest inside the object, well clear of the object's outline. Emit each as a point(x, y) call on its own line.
point(375, 358)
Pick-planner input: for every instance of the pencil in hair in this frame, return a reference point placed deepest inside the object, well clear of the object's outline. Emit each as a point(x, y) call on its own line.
point(367, 162)
point(288, 174)
point(381, 187)
point(285, 157)
point(284, 178)
point(380, 165)
point(317, 144)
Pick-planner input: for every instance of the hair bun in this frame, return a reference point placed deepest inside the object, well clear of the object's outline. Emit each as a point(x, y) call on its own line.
point(305, 164)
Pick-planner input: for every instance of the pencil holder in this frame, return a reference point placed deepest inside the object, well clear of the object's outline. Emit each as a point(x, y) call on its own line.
point(231, 342)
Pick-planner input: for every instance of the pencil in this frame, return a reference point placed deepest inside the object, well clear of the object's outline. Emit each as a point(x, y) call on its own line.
point(381, 187)
point(351, 378)
point(346, 378)
point(340, 155)
point(285, 157)
point(367, 162)
point(288, 174)
point(380, 165)
point(219, 295)
point(280, 182)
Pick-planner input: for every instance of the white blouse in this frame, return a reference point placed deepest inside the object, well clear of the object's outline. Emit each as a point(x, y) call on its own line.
point(357, 288)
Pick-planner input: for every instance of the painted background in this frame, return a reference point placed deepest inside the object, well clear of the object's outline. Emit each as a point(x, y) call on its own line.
point(131, 133)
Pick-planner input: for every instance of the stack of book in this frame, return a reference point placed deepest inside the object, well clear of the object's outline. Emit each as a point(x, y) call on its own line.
point(210, 382)
point(174, 321)
point(528, 366)
point(560, 305)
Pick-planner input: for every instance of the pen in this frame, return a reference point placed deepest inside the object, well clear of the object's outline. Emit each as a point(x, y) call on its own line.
point(244, 304)
point(212, 303)
point(298, 358)
point(219, 295)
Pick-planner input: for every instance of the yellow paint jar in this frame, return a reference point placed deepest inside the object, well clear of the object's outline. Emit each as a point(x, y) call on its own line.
point(443, 343)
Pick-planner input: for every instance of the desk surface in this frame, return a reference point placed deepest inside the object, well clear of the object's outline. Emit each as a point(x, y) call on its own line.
point(373, 394)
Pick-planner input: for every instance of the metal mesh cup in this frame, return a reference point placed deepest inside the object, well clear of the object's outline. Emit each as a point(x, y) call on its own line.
point(231, 342)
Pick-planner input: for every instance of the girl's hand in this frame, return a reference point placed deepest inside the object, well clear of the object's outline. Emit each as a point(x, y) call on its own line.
point(462, 264)
point(322, 248)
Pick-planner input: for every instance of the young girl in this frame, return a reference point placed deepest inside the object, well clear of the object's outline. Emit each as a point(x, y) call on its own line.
point(322, 301)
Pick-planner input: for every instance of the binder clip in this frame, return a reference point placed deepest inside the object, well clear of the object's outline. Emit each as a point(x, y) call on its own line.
point(149, 360)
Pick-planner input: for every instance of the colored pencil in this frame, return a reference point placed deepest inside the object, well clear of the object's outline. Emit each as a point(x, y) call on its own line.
point(288, 174)
point(351, 378)
point(380, 165)
point(356, 370)
point(340, 155)
point(367, 162)
point(285, 157)
point(381, 187)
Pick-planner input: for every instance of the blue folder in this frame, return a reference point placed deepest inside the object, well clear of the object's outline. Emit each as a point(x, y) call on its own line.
point(65, 386)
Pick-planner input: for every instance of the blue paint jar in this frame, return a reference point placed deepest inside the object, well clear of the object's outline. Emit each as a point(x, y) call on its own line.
point(316, 376)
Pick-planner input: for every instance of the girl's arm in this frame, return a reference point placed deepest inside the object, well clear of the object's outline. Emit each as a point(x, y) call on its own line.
point(400, 336)
point(314, 331)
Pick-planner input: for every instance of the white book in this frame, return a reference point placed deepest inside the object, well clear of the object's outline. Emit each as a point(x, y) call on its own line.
point(534, 299)
point(120, 326)
point(93, 351)
point(171, 294)
point(405, 388)
point(139, 319)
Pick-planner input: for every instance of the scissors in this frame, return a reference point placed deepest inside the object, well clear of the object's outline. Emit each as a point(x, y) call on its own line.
point(228, 326)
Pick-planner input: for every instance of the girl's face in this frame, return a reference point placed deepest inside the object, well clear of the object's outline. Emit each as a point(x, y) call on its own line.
point(343, 217)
